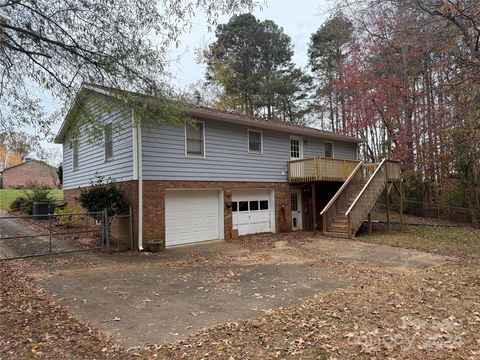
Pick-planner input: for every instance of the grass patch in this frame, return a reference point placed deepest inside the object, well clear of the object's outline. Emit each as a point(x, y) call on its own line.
point(8, 195)
point(450, 241)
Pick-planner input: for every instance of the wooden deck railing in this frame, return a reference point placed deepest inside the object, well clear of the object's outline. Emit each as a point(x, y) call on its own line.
point(320, 169)
point(386, 171)
point(340, 199)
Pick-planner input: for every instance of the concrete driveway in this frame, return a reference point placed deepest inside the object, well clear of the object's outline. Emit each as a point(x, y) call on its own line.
point(152, 299)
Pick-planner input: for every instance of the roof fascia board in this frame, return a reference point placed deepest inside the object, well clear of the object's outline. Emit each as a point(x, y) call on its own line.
point(232, 118)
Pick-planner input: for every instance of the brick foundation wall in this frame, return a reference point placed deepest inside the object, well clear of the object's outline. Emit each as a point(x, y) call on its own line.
point(29, 172)
point(120, 227)
point(154, 205)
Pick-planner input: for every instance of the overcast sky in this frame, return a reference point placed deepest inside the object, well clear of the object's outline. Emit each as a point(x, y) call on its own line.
point(299, 19)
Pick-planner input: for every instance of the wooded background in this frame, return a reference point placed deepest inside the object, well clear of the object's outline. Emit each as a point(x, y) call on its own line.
point(403, 75)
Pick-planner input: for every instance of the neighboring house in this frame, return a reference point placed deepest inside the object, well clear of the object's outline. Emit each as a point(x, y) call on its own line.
point(30, 172)
point(225, 175)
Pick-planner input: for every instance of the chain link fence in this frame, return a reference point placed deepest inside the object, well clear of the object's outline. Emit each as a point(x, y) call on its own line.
point(423, 213)
point(23, 236)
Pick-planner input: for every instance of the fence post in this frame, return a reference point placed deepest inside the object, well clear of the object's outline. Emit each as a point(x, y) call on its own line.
point(107, 231)
point(130, 211)
point(49, 233)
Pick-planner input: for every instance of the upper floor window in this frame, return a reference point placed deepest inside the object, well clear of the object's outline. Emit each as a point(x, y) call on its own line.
point(328, 149)
point(255, 142)
point(108, 139)
point(296, 148)
point(195, 139)
point(74, 146)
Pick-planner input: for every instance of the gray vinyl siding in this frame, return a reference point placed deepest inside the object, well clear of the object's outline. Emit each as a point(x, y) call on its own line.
point(91, 155)
point(226, 154)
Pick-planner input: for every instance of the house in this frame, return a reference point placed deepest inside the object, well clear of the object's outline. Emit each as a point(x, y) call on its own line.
point(219, 175)
point(30, 172)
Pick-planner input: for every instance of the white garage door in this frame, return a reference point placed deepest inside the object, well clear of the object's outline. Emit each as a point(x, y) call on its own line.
point(191, 216)
point(253, 211)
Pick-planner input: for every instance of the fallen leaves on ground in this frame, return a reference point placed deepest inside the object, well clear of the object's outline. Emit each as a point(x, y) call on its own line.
point(432, 314)
point(32, 326)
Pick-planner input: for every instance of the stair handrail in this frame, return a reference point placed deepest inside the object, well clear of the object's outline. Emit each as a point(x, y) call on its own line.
point(360, 194)
point(344, 185)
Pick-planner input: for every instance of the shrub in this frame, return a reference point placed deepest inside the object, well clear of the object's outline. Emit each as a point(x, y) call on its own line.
point(102, 195)
point(25, 202)
point(66, 217)
point(18, 204)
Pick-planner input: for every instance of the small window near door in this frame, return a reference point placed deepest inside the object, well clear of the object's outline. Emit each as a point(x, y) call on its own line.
point(195, 139)
point(263, 204)
point(255, 142)
point(294, 200)
point(108, 141)
point(328, 149)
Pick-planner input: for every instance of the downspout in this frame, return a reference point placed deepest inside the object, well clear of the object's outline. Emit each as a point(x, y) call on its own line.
point(138, 175)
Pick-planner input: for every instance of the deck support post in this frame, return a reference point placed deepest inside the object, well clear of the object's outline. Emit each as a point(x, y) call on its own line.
point(401, 203)
point(388, 207)
point(370, 223)
point(387, 192)
point(314, 208)
point(349, 219)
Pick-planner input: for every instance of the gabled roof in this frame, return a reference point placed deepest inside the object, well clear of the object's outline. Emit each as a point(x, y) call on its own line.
point(205, 112)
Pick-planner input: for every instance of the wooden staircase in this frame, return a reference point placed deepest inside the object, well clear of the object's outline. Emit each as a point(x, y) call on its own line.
point(346, 211)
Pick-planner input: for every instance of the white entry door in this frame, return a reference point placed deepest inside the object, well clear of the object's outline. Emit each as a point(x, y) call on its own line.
point(253, 211)
point(192, 216)
point(296, 205)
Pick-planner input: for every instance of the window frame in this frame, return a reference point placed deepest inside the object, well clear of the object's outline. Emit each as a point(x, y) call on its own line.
point(105, 158)
point(260, 152)
point(203, 156)
point(300, 147)
point(75, 154)
point(248, 206)
point(324, 149)
point(260, 205)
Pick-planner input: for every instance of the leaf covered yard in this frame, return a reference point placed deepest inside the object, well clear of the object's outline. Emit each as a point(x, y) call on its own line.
point(432, 313)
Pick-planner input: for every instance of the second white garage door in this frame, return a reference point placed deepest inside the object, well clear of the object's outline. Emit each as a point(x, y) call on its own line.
point(253, 211)
point(192, 216)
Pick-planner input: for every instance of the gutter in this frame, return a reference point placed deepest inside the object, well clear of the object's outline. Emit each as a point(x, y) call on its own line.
point(138, 175)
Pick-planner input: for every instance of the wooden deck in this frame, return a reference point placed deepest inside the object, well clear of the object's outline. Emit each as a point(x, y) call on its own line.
point(361, 188)
point(320, 169)
point(331, 169)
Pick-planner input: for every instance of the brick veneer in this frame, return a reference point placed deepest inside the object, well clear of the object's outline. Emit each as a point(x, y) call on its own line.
point(120, 227)
point(31, 171)
point(154, 204)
